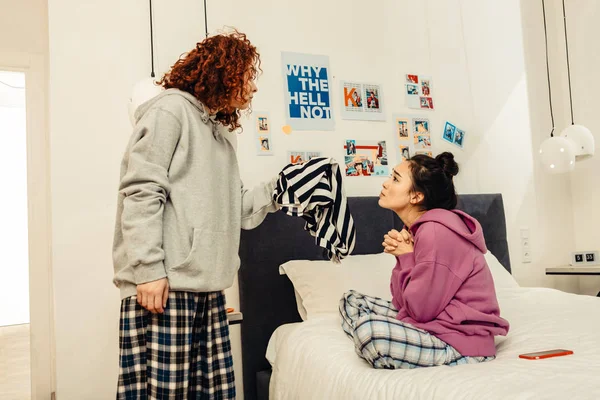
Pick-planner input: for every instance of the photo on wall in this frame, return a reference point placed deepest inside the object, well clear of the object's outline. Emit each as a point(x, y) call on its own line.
point(419, 92)
point(459, 137)
point(453, 134)
point(312, 154)
point(264, 143)
point(421, 134)
point(362, 101)
point(411, 134)
point(368, 159)
point(404, 153)
point(402, 128)
point(449, 132)
point(263, 123)
point(298, 157)
point(262, 134)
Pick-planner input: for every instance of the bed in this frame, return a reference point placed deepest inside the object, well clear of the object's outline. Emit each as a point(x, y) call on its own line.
point(292, 355)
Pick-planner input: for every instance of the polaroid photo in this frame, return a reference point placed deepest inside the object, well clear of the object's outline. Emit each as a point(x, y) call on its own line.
point(421, 126)
point(422, 142)
point(459, 137)
point(426, 87)
point(353, 100)
point(426, 103)
point(372, 98)
point(412, 90)
point(263, 124)
point(264, 145)
point(350, 147)
point(402, 128)
point(357, 166)
point(404, 152)
point(412, 79)
point(312, 154)
point(296, 157)
point(449, 132)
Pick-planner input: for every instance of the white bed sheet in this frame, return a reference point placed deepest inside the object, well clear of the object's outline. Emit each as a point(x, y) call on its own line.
point(315, 360)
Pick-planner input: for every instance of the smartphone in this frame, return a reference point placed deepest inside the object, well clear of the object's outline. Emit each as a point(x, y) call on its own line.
point(546, 354)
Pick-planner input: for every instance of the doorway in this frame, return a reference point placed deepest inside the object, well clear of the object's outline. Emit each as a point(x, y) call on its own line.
point(15, 364)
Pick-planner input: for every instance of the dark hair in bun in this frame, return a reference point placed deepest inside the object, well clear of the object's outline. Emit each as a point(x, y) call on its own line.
point(433, 178)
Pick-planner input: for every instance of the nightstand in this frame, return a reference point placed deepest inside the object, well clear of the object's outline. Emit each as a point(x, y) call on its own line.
point(571, 270)
point(235, 318)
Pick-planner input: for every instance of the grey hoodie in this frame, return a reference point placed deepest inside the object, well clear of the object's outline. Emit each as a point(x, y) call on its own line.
point(181, 202)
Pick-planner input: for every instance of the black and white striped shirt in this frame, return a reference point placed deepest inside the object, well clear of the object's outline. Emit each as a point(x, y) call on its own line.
point(314, 191)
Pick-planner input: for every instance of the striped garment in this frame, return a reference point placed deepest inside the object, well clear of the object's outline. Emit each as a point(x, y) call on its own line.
point(184, 353)
point(387, 343)
point(313, 190)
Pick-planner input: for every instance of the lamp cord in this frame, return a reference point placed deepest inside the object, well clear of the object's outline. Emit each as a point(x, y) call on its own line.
point(548, 68)
point(205, 19)
point(11, 86)
point(151, 41)
point(568, 65)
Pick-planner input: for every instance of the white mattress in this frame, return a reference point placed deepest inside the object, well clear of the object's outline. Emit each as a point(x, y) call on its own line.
point(315, 360)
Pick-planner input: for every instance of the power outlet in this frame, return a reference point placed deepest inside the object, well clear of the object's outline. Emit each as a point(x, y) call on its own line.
point(585, 258)
point(525, 246)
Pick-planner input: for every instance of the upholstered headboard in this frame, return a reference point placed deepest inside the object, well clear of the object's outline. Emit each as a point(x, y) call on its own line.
point(267, 298)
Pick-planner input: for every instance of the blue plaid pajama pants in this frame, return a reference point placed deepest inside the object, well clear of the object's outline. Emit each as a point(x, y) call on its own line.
point(184, 353)
point(387, 343)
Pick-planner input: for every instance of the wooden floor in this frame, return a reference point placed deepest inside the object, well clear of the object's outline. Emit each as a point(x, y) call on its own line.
point(14, 363)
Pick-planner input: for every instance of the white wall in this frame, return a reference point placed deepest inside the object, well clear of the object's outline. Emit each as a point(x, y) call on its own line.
point(24, 26)
point(24, 47)
point(583, 28)
point(579, 216)
point(479, 83)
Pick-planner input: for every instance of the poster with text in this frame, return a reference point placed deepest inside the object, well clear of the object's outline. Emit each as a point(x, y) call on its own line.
point(362, 101)
point(418, 92)
point(307, 92)
point(366, 158)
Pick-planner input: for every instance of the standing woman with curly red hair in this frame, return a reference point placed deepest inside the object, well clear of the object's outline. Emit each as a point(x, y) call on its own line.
point(181, 206)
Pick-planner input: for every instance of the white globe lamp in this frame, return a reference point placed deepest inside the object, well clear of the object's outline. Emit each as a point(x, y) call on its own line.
point(557, 155)
point(143, 91)
point(583, 141)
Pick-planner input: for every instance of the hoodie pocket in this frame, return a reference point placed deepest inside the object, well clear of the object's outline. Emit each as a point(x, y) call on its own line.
point(210, 250)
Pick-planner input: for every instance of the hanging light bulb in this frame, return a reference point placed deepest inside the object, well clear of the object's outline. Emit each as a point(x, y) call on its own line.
point(557, 155)
point(576, 142)
point(143, 91)
point(583, 141)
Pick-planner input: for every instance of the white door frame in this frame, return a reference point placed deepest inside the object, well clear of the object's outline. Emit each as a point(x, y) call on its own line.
point(41, 297)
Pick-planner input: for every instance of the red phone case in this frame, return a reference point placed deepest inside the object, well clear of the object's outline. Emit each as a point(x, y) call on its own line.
point(546, 354)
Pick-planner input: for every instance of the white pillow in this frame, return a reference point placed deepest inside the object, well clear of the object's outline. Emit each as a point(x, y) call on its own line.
point(319, 285)
point(502, 278)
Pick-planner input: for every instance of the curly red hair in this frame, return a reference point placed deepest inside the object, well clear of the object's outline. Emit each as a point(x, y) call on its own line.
point(216, 72)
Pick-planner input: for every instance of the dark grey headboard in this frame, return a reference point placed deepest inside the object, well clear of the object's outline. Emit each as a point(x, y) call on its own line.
point(267, 298)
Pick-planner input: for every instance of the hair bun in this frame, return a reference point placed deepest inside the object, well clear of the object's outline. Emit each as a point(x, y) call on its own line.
point(446, 160)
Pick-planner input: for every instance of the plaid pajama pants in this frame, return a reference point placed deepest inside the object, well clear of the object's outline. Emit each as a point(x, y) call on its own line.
point(387, 343)
point(183, 353)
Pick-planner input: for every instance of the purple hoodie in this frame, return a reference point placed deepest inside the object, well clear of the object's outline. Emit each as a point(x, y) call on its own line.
point(445, 286)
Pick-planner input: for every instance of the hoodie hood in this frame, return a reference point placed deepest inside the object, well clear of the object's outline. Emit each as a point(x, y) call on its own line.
point(144, 107)
point(458, 221)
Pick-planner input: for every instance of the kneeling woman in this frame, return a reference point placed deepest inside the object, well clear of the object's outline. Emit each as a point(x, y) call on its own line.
point(444, 309)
